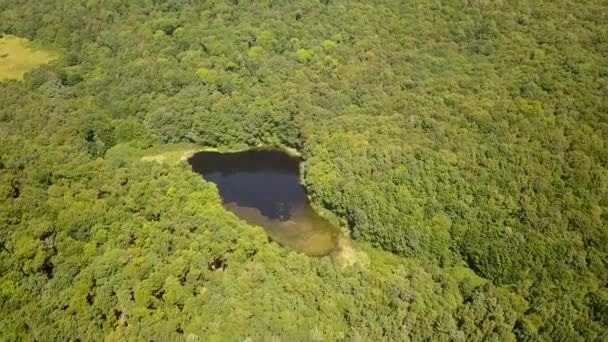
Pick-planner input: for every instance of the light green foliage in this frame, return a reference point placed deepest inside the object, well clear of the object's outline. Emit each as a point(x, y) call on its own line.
point(256, 52)
point(330, 61)
point(207, 75)
point(266, 39)
point(304, 55)
point(328, 45)
point(159, 34)
point(123, 153)
point(463, 143)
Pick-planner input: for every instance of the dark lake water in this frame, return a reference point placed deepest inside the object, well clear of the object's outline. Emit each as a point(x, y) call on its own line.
point(263, 188)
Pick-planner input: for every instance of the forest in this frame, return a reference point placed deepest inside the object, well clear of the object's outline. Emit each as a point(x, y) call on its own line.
point(463, 144)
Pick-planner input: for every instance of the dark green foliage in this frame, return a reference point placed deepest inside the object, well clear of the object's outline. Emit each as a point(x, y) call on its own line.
point(447, 133)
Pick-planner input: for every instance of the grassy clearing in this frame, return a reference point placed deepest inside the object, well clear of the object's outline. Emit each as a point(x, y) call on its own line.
point(174, 153)
point(461, 273)
point(19, 55)
point(171, 153)
point(166, 153)
point(347, 255)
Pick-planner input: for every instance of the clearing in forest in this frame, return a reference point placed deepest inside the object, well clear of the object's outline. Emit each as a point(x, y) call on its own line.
point(170, 153)
point(18, 55)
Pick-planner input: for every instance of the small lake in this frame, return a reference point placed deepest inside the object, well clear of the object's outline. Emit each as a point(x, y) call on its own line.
point(263, 188)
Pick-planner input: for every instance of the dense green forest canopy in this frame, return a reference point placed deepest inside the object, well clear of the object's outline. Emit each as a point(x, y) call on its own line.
point(462, 142)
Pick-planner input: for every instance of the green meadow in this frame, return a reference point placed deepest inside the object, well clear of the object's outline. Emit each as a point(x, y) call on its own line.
point(18, 56)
